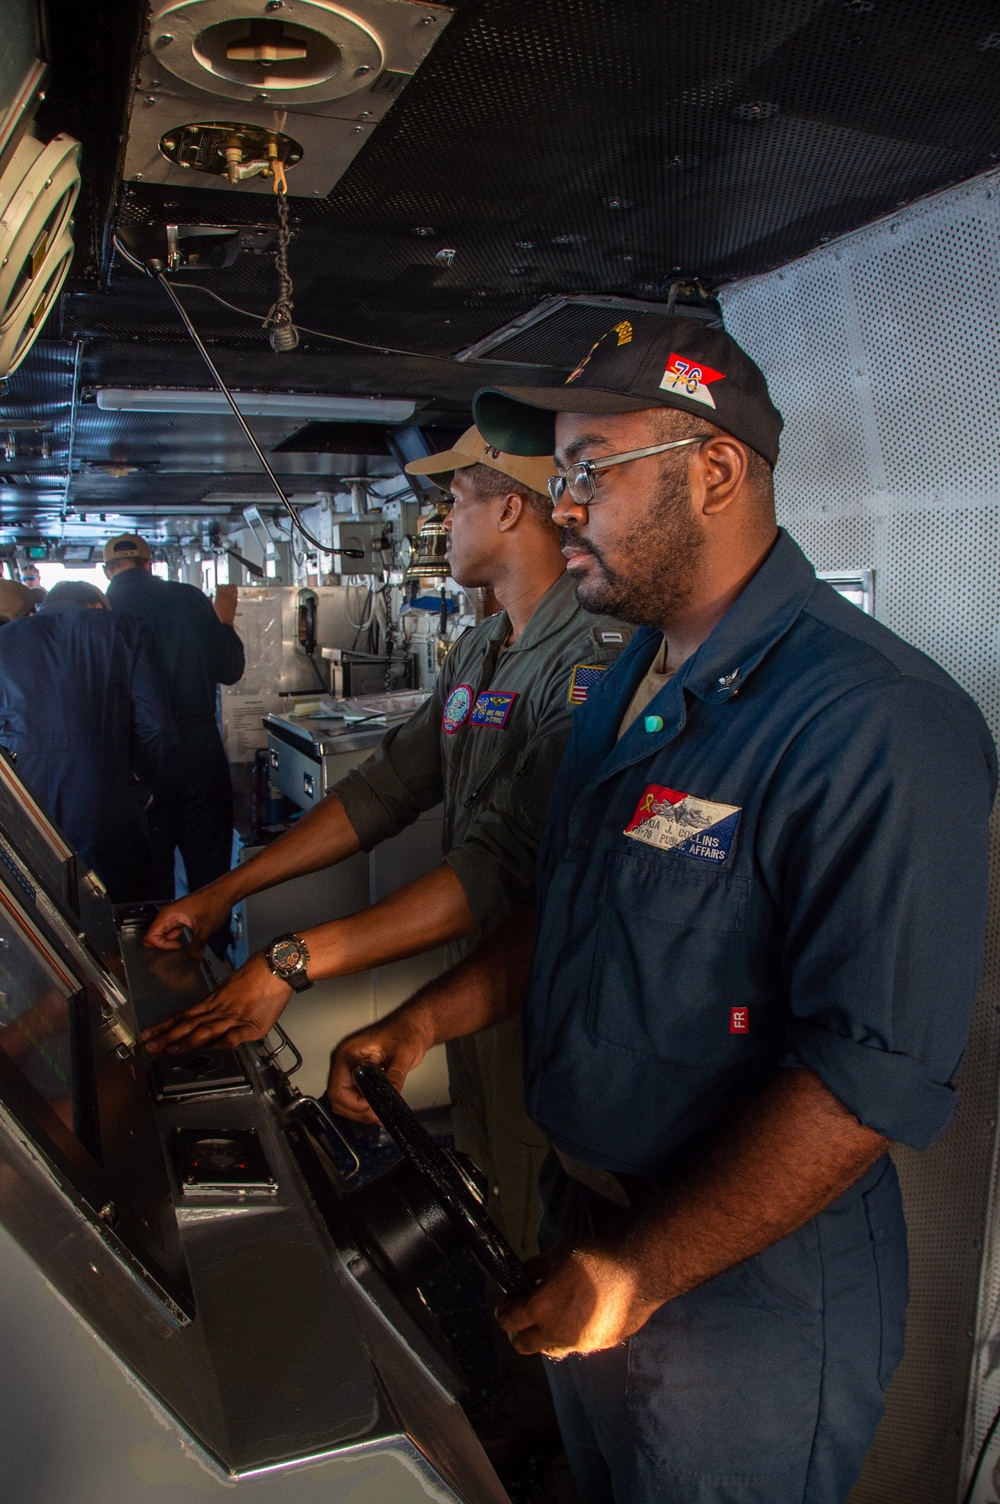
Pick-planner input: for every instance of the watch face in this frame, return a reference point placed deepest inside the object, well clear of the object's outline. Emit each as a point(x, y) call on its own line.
point(286, 954)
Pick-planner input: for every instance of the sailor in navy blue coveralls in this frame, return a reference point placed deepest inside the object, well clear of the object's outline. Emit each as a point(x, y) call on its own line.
point(193, 812)
point(777, 871)
point(837, 785)
point(85, 710)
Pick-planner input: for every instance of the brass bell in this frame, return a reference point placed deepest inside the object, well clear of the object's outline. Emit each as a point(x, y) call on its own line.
point(428, 561)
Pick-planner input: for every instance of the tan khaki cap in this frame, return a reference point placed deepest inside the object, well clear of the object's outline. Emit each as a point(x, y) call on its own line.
point(472, 449)
point(126, 546)
point(16, 600)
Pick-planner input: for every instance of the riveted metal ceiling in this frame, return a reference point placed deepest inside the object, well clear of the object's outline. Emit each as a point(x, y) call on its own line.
point(556, 147)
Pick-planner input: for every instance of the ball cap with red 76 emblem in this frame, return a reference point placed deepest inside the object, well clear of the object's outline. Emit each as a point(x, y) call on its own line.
point(641, 361)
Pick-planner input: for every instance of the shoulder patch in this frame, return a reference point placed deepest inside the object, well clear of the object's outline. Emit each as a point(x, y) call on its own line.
point(583, 677)
point(456, 709)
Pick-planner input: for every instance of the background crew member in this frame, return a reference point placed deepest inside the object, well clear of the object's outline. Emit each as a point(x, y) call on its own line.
point(31, 579)
point(85, 708)
point(201, 650)
point(16, 600)
point(761, 904)
point(487, 742)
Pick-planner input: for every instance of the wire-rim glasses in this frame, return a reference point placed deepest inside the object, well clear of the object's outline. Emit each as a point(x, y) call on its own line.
point(580, 479)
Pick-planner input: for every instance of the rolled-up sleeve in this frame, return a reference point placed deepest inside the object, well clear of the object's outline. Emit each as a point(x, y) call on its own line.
point(402, 778)
point(875, 850)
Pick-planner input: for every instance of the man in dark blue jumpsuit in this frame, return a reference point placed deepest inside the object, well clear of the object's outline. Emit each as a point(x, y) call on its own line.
point(200, 650)
point(85, 709)
point(761, 901)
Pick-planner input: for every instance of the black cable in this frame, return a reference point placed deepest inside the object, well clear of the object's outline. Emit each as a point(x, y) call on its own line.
point(156, 269)
point(316, 670)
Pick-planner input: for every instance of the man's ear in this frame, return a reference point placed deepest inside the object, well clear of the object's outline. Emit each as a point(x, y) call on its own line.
point(510, 513)
point(721, 470)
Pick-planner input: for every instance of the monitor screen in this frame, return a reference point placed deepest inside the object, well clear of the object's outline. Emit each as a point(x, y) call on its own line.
point(74, 1082)
point(36, 1030)
point(28, 828)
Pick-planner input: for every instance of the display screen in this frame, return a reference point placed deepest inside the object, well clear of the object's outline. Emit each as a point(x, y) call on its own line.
point(74, 1083)
point(35, 1034)
point(25, 825)
point(39, 1023)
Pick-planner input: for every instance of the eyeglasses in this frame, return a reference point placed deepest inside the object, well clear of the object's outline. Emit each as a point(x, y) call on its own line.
point(579, 480)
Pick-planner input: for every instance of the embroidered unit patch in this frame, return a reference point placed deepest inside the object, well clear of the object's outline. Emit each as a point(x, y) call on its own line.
point(456, 708)
point(492, 707)
point(689, 379)
point(680, 822)
point(584, 675)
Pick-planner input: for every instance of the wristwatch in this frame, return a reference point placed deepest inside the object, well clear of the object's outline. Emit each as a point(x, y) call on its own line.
point(288, 957)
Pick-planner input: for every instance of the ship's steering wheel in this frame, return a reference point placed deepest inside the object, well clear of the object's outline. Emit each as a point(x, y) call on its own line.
point(453, 1188)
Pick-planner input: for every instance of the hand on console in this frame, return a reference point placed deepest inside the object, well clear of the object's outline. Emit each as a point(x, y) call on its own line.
point(246, 1006)
point(202, 913)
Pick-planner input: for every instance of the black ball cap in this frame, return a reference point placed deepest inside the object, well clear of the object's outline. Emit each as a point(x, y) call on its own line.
point(647, 360)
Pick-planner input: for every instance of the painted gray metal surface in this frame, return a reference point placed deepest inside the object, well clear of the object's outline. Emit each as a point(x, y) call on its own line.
point(76, 1427)
point(331, 1008)
point(289, 1380)
point(883, 353)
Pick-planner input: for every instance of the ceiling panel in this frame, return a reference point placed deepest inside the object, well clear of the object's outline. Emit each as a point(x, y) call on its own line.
point(556, 147)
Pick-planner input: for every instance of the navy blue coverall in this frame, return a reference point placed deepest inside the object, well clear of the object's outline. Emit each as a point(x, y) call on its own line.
point(194, 811)
point(782, 863)
point(85, 707)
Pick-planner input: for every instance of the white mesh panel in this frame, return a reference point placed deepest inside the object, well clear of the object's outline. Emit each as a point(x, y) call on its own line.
point(883, 354)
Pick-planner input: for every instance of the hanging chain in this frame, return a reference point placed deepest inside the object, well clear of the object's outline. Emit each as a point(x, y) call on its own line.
point(281, 331)
point(390, 633)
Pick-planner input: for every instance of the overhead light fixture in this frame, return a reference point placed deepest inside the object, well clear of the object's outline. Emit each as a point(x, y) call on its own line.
point(294, 405)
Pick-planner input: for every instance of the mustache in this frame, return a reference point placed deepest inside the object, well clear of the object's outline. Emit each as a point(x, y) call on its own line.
point(570, 538)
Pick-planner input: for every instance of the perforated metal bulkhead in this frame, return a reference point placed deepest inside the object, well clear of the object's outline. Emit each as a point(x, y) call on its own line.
point(581, 146)
point(881, 350)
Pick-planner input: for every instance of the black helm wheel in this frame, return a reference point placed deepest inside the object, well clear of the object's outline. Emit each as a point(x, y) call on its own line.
point(479, 1230)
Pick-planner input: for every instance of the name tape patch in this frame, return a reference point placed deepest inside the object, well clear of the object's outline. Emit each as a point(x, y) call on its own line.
point(689, 379)
point(678, 822)
point(583, 678)
point(456, 708)
point(493, 707)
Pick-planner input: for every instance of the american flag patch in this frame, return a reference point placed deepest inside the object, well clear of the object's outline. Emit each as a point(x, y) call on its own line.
point(584, 675)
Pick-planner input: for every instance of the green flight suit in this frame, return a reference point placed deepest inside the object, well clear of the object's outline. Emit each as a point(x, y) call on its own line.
point(487, 744)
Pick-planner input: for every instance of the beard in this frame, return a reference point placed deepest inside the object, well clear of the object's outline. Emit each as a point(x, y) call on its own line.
point(658, 561)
